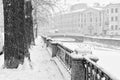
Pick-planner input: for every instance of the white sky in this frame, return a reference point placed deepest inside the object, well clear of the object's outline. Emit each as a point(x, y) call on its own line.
point(90, 2)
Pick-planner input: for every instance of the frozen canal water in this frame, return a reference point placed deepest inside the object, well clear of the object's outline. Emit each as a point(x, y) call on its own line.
point(109, 60)
point(43, 68)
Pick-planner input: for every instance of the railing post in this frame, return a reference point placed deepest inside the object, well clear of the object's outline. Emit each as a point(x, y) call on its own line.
point(44, 40)
point(54, 49)
point(78, 69)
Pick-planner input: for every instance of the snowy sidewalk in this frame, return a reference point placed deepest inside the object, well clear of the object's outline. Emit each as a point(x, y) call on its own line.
point(43, 67)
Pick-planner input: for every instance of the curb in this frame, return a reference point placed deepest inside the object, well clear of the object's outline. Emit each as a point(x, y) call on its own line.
point(62, 69)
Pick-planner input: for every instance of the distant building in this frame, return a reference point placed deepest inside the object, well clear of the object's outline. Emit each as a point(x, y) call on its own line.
point(93, 21)
point(88, 21)
point(96, 20)
point(113, 19)
point(96, 5)
point(78, 6)
point(68, 22)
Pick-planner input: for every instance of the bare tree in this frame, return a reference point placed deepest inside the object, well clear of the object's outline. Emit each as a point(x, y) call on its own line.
point(18, 22)
point(42, 11)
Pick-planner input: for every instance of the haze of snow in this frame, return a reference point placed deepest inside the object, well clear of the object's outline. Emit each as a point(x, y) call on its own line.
point(42, 66)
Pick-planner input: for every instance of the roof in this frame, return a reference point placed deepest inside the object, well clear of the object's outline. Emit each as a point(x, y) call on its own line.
point(94, 8)
point(111, 4)
point(80, 10)
point(98, 8)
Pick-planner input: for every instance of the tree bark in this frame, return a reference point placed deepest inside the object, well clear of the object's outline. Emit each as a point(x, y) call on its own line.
point(29, 22)
point(13, 32)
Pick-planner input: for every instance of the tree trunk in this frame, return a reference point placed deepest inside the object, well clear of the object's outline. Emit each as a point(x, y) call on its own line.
point(14, 32)
point(29, 22)
point(35, 22)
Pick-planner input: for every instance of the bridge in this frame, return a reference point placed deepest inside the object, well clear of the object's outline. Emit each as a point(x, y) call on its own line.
point(69, 53)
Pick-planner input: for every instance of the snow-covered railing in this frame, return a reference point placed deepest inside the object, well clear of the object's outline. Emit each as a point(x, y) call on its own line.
point(64, 55)
point(95, 72)
point(104, 40)
point(80, 67)
point(74, 63)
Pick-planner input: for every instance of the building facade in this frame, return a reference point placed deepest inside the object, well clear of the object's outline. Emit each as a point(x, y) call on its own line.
point(90, 20)
point(93, 21)
point(78, 6)
point(113, 19)
point(68, 22)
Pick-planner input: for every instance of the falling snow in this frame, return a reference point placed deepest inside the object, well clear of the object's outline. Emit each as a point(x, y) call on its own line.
point(43, 67)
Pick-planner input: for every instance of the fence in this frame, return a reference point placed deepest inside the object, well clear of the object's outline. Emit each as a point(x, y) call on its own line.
point(80, 67)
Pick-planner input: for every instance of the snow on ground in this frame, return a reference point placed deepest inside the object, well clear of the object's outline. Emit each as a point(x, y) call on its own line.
point(77, 46)
point(110, 47)
point(1, 61)
point(63, 39)
point(43, 68)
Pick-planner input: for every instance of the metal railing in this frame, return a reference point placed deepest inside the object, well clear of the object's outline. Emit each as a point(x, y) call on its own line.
point(94, 72)
point(91, 70)
point(64, 55)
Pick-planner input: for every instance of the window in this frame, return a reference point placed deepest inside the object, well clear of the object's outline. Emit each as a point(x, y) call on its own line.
point(81, 25)
point(116, 10)
point(90, 19)
point(107, 10)
point(84, 20)
point(81, 20)
point(111, 18)
point(116, 18)
point(81, 15)
point(116, 27)
point(84, 16)
point(116, 33)
point(90, 14)
point(100, 24)
point(96, 19)
point(112, 27)
point(112, 10)
point(84, 24)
